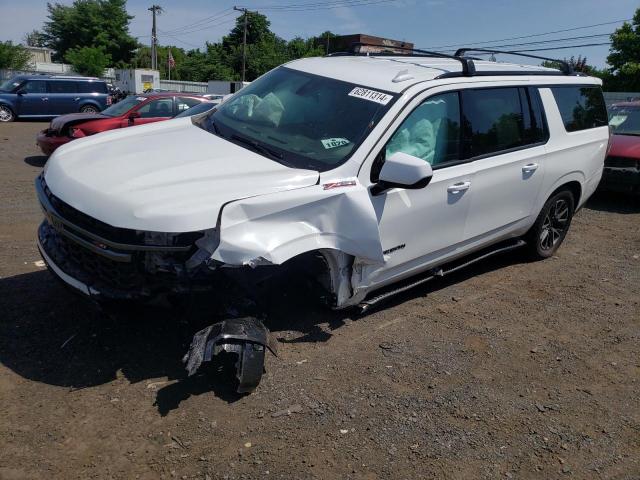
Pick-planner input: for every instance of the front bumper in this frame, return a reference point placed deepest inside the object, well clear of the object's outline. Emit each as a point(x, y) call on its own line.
point(116, 263)
point(48, 142)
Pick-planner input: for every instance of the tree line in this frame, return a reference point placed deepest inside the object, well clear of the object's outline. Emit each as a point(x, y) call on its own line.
point(92, 35)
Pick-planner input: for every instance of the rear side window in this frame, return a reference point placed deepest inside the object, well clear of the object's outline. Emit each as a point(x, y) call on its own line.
point(63, 86)
point(580, 107)
point(92, 87)
point(498, 119)
point(184, 103)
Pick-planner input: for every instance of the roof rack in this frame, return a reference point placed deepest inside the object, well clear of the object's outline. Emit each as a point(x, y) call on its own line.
point(468, 67)
point(564, 66)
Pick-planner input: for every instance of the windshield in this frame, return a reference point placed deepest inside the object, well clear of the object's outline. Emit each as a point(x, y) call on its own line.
point(123, 106)
point(298, 119)
point(196, 109)
point(625, 120)
point(9, 85)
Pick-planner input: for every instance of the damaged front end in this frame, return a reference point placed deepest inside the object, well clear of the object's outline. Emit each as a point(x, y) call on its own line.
point(247, 338)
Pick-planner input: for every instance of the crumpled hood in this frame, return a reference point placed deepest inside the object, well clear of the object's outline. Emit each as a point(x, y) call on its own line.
point(168, 176)
point(59, 123)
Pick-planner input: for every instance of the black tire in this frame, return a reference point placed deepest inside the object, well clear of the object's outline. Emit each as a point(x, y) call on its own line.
point(547, 234)
point(89, 109)
point(6, 114)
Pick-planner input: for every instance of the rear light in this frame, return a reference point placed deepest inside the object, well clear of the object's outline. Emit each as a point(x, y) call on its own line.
point(76, 133)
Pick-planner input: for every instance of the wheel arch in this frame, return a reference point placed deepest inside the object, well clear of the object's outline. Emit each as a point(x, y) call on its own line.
point(90, 102)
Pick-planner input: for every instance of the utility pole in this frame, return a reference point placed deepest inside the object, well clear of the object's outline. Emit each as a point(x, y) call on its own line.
point(244, 42)
point(154, 37)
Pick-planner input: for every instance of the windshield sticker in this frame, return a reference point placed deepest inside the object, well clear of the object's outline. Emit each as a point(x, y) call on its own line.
point(371, 95)
point(329, 143)
point(141, 99)
point(617, 120)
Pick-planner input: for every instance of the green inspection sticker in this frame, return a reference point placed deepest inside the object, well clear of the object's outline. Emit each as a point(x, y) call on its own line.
point(328, 143)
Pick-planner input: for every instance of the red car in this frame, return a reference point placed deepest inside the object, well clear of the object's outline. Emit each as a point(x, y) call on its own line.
point(133, 110)
point(622, 165)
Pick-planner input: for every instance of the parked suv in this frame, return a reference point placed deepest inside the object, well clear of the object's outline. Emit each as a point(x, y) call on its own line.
point(355, 171)
point(30, 96)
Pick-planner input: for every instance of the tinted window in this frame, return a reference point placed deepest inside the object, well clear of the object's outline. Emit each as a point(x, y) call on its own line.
point(92, 87)
point(63, 86)
point(35, 86)
point(431, 132)
point(497, 119)
point(580, 107)
point(162, 107)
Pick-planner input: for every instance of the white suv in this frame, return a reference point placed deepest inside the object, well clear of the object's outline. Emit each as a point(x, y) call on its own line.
point(363, 170)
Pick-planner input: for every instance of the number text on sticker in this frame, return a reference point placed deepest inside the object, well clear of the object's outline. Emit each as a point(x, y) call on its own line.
point(371, 95)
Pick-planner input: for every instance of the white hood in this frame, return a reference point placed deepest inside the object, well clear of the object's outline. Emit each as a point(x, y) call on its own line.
point(169, 176)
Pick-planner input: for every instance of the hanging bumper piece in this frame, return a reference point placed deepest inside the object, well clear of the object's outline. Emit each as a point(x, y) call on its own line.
point(246, 337)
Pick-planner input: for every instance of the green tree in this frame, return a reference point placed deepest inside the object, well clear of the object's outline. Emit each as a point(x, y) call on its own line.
point(624, 56)
point(14, 57)
point(89, 61)
point(35, 38)
point(90, 23)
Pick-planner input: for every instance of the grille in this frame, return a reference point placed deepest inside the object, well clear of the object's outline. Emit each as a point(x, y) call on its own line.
point(92, 267)
point(621, 162)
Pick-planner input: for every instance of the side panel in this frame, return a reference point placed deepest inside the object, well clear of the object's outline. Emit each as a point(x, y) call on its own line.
point(571, 155)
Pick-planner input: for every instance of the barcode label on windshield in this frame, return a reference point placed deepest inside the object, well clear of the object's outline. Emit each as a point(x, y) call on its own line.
point(371, 95)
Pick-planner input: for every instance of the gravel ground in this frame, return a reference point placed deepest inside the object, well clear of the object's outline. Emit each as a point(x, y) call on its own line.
point(508, 370)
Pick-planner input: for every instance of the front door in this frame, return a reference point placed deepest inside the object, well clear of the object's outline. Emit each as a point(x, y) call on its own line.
point(154, 111)
point(420, 227)
point(34, 101)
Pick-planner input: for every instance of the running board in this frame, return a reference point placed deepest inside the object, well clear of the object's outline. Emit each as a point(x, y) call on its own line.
point(367, 304)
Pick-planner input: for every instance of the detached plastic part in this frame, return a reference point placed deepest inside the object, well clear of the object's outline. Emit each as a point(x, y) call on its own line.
point(246, 337)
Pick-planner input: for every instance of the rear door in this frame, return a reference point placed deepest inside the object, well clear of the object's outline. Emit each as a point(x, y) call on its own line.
point(35, 99)
point(63, 97)
point(505, 137)
point(154, 111)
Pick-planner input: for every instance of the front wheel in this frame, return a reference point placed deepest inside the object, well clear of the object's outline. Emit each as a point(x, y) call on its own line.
point(6, 114)
point(547, 234)
point(89, 109)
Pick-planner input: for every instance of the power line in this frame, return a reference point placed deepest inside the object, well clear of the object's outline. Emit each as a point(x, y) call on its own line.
point(305, 7)
point(540, 42)
point(562, 48)
point(203, 22)
point(528, 36)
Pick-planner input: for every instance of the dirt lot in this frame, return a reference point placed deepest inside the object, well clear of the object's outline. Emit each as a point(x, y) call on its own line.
point(508, 370)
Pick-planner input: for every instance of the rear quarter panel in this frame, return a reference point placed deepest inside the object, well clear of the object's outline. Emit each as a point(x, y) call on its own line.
point(571, 156)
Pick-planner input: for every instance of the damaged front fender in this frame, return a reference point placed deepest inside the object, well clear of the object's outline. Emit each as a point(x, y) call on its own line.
point(277, 227)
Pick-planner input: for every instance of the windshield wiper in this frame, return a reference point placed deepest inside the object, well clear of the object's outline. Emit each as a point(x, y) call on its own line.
point(258, 147)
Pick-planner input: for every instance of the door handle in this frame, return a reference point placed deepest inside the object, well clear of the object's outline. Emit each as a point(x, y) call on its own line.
point(77, 99)
point(530, 167)
point(458, 187)
point(45, 99)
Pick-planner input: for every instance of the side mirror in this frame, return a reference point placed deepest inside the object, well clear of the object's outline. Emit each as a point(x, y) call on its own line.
point(402, 170)
point(133, 116)
point(21, 92)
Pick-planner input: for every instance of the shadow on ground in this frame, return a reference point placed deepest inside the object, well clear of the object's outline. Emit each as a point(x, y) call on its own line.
point(614, 202)
point(36, 160)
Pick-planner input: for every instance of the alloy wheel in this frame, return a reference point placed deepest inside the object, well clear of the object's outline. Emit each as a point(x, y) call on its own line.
point(554, 225)
point(6, 115)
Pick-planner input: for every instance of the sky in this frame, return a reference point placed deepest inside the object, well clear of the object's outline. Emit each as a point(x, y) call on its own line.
point(426, 23)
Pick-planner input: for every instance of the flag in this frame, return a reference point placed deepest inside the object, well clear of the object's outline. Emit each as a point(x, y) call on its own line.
point(172, 62)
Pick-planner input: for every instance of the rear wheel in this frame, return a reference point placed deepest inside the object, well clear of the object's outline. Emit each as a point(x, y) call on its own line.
point(6, 114)
point(89, 109)
point(552, 225)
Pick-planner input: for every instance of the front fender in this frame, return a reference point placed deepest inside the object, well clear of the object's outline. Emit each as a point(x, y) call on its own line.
point(277, 227)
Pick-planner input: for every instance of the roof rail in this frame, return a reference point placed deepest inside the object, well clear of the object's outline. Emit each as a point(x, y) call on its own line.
point(564, 66)
point(468, 67)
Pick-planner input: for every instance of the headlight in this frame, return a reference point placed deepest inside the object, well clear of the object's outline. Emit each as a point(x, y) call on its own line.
point(76, 133)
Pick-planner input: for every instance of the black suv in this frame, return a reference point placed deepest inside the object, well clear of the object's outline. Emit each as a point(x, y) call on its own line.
point(27, 96)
